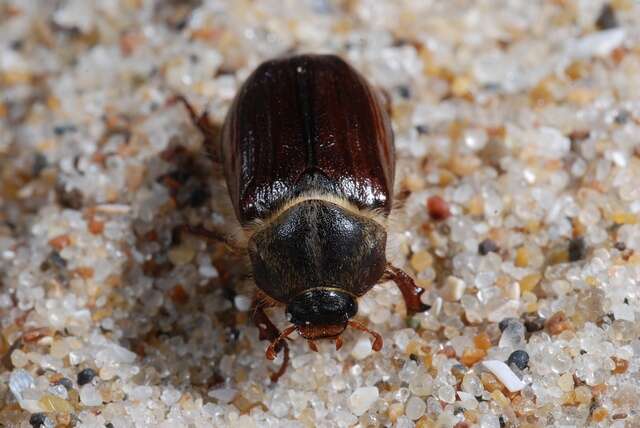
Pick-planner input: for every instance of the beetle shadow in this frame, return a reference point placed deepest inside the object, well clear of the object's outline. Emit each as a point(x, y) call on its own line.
point(182, 322)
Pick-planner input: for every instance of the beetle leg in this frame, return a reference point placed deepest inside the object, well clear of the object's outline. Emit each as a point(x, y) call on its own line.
point(312, 345)
point(377, 339)
point(410, 291)
point(268, 331)
point(213, 235)
point(210, 131)
point(272, 349)
point(338, 343)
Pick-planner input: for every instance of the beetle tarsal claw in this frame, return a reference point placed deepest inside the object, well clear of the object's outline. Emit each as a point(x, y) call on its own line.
point(272, 348)
point(377, 339)
point(338, 343)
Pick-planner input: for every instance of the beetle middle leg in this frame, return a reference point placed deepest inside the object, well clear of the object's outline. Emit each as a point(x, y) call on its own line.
point(410, 291)
point(212, 235)
point(209, 130)
point(268, 331)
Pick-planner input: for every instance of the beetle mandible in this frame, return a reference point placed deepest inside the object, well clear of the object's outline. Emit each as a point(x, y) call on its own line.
point(309, 161)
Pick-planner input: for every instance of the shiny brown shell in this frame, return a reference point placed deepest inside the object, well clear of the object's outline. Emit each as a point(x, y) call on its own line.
point(307, 123)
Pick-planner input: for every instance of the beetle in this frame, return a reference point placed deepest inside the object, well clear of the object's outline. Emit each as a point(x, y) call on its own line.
point(309, 160)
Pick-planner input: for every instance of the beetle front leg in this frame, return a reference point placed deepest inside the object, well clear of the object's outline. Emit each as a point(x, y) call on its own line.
point(410, 291)
point(268, 331)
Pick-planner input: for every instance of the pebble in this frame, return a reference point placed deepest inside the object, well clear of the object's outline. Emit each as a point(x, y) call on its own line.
point(453, 289)
point(471, 384)
point(599, 43)
point(223, 395)
point(242, 302)
point(19, 359)
point(583, 394)
point(362, 348)
point(533, 322)
point(565, 382)
point(181, 255)
point(622, 311)
point(522, 257)
point(52, 403)
point(487, 246)
point(40, 420)
point(170, 396)
point(599, 414)
point(607, 18)
point(421, 260)
point(577, 249)
point(90, 396)
point(503, 324)
point(459, 371)
point(467, 401)
point(395, 411)
point(519, 358)
point(513, 332)
point(558, 323)
point(470, 356)
point(621, 366)
point(447, 394)
point(415, 408)
point(482, 341)
point(529, 282)
point(59, 391)
point(438, 208)
point(421, 384)
point(362, 399)
point(19, 381)
point(504, 374)
point(85, 376)
point(66, 382)
point(489, 421)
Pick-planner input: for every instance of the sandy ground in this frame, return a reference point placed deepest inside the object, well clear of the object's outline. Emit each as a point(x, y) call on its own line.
point(519, 120)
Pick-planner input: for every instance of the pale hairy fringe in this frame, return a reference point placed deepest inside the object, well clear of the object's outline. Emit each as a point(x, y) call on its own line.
point(375, 215)
point(393, 223)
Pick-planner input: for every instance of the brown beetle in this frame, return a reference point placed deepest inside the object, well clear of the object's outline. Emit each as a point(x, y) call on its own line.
point(309, 162)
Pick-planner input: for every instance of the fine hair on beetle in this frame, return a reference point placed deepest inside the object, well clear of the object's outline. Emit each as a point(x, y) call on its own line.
point(309, 161)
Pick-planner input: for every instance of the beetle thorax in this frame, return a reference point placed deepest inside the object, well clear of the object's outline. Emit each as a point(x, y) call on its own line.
point(316, 243)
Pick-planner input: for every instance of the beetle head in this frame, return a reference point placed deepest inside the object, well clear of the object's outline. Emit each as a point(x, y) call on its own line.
point(321, 312)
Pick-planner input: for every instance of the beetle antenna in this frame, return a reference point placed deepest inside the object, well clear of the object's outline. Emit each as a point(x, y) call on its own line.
point(377, 339)
point(271, 349)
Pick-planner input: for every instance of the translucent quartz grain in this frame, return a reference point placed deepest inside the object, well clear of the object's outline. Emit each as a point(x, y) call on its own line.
point(362, 399)
point(362, 348)
point(512, 336)
point(472, 385)
point(447, 394)
point(90, 396)
point(421, 384)
point(415, 408)
point(19, 359)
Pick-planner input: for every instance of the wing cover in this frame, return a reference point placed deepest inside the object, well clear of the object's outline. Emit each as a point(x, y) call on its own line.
point(306, 123)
